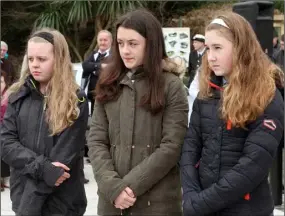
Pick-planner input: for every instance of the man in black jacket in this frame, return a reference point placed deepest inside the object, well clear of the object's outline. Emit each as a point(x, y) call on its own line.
point(91, 66)
point(278, 57)
point(195, 57)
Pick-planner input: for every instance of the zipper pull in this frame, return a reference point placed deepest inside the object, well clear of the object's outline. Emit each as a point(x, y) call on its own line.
point(45, 103)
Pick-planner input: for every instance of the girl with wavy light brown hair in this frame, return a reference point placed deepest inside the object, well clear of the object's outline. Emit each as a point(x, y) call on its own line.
point(236, 125)
point(43, 131)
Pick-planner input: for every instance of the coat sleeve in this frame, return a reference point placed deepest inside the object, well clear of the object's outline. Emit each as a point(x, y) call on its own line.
point(252, 168)
point(19, 157)
point(174, 124)
point(191, 154)
point(89, 66)
point(110, 184)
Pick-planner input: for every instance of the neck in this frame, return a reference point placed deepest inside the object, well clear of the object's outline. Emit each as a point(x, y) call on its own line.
point(200, 50)
point(103, 51)
point(43, 88)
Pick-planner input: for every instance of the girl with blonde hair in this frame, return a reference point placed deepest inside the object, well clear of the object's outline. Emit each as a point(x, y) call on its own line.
point(236, 125)
point(43, 131)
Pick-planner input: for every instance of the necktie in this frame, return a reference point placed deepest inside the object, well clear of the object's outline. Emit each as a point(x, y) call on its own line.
point(100, 56)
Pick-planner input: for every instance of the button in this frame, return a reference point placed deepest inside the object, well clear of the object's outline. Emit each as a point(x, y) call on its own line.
point(133, 146)
point(148, 146)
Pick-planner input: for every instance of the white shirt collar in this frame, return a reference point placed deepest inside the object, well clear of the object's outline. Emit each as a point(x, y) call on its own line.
point(107, 51)
point(201, 53)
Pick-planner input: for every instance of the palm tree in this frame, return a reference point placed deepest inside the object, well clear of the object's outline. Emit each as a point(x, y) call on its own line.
point(73, 17)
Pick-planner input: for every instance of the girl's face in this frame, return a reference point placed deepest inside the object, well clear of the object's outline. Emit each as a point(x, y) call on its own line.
point(131, 47)
point(41, 61)
point(2, 85)
point(219, 53)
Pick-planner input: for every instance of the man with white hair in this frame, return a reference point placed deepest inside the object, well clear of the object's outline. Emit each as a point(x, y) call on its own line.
point(6, 65)
point(195, 57)
point(4, 49)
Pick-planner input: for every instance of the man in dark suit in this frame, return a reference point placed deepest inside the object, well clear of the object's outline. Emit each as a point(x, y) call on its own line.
point(91, 66)
point(91, 69)
point(195, 57)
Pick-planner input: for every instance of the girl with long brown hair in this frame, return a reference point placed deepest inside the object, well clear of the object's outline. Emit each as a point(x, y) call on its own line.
point(236, 125)
point(43, 131)
point(139, 123)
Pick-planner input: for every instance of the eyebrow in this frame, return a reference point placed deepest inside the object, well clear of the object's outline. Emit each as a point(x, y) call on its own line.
point(38, 56)
point(132, 40)
point(213, 45)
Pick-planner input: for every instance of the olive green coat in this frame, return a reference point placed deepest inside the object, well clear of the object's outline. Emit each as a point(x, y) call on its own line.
point(129, 146)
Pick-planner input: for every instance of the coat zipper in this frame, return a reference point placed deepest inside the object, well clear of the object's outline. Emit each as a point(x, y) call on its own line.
point(41, 123)
point(134, 92)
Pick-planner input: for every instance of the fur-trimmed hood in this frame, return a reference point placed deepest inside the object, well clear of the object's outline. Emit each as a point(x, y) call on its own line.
point(174, 65)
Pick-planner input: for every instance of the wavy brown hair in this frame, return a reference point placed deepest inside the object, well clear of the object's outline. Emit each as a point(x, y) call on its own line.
point(108, 87)
point(252, 82)
point(62, 89)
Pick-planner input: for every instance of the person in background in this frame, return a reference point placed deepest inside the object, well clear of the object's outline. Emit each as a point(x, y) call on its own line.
point(276, 44)
point(236, 126)
point(195, 57)
point(7, 65)
point(92, 69)
point(5, 169)
point(92, 65)
point(279, 55)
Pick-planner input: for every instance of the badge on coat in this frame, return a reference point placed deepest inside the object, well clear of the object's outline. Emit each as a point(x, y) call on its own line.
point(269, 123)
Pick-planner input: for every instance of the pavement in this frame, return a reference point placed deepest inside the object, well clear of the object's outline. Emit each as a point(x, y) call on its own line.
point(91, 193)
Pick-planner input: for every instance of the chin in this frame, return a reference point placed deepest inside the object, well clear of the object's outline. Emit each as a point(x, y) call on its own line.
point(130, 66)
point(219, 73)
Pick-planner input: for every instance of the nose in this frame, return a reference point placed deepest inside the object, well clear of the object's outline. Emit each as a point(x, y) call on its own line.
point(125, 50)
point(34, 63)
point(211, 56)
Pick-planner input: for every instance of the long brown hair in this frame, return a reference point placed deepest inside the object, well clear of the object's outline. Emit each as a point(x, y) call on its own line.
point(252, 82)
point(62, 98)
point(148, 26)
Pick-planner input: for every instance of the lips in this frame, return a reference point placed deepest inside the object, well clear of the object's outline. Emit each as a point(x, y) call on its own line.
point(36, 73)
point(128, 59)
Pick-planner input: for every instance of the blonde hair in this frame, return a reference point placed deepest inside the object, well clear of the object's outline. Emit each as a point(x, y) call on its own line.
point(252, 82)
point(62, 100)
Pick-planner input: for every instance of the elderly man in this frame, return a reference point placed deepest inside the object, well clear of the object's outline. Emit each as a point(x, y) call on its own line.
point(6, 65)
point(92, 66)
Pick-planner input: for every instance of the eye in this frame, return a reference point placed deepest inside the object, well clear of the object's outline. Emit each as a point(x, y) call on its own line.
point(30, 59)
point(217, 47)
point(133, 44)
point(41, 59)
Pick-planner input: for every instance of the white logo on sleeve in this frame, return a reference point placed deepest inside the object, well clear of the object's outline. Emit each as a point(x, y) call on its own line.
point(269, 123)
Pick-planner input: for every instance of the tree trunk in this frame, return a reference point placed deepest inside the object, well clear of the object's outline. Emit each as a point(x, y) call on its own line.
point(74, 49)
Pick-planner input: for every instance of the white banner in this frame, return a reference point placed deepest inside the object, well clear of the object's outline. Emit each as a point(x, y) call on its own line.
point(177, 42)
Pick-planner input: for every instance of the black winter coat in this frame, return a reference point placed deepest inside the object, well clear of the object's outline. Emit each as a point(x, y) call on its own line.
point(29, 150)
point(195, 62)
point(224, 170)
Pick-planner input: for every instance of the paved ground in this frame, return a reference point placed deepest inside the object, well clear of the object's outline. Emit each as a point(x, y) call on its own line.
point(91, 191)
